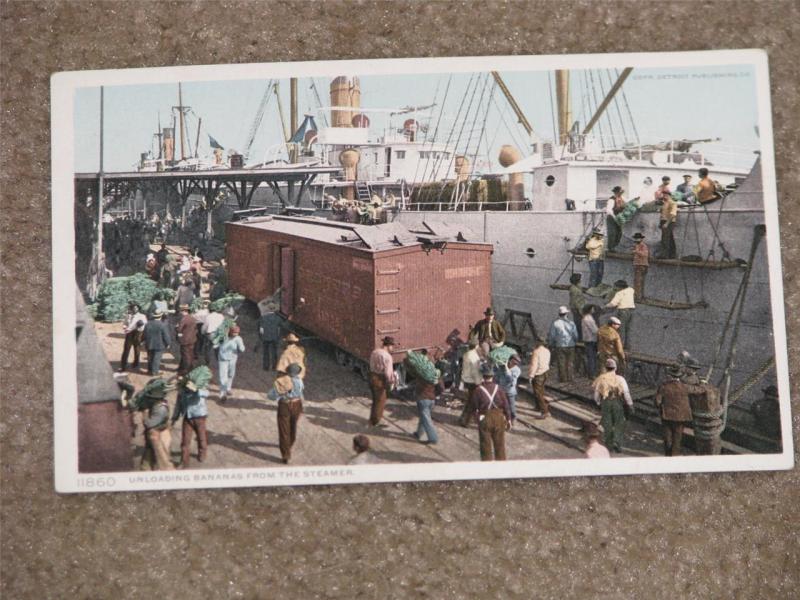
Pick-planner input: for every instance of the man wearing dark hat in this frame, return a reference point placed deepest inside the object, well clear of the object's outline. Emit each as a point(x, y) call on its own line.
point(669, 216)
point(381, 378)
point(187, 337)
point(767, 413)
point(623, 304)
point(494, 415)
point(663, 188)
point(641, 262)
point(706, 189)
point(270, 327)
point(576, 300)
point(488, 332)
point(561, 339)
point(364, 456)
point(614, 206)
point(612, 394)
point(134, 331)
point(595, 246)
point(672, 399)
point(156, 340)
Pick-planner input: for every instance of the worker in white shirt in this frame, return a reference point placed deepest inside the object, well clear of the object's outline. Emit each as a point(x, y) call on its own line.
point(210, 326)
point(471, 377)
point(623, 304)
point(537, 374)
point(134, 332)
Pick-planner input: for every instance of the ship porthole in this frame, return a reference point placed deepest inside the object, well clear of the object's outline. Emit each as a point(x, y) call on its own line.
point(530, 252)
point(549, 181)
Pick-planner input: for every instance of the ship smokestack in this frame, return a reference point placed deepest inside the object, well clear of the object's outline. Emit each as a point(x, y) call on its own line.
point(516, 181)
point(168, 135)
point(345, 92)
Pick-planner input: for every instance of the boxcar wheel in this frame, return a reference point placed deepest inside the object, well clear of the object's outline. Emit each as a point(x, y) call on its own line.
point(363, 370)
point(343, 358)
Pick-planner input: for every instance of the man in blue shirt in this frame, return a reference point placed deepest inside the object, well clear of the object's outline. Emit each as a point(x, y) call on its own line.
point(561, 340)
point(288, 391)
point(192, 406)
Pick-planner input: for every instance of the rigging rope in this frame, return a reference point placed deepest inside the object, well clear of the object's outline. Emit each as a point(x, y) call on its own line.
point(599, 121)
point(628, 108)
point(619, 112)
point(606, 114)
point(458, 140)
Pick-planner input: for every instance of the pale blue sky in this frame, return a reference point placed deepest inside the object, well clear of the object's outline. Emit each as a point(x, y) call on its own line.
point(697, 102)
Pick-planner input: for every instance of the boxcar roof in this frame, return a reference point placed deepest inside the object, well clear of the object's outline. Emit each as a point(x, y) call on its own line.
point(370, 238)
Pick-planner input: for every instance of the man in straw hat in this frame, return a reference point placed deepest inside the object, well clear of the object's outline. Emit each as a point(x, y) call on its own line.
point(156, 340)
point(186, 331)
point(596, 247)
point(381, 378)
point(623, 304)
point(672, 400)
point(612, 394)
point(293, 353)
point(270, 328)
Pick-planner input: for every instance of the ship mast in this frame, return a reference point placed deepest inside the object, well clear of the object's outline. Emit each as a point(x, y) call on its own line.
point(564, 102)
point(182, 113)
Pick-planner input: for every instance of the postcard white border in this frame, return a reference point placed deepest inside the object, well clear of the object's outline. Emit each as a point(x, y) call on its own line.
point(67, 477)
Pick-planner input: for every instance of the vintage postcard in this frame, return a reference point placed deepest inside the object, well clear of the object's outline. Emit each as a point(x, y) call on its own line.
point(409, 270)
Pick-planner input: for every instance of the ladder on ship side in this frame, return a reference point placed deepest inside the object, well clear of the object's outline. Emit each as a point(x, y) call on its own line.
point(363, 193)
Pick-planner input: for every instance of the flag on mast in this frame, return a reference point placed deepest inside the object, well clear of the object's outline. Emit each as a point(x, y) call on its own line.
point(214, 143)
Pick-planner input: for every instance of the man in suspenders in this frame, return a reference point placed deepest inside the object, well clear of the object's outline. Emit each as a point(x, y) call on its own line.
point(494, 415)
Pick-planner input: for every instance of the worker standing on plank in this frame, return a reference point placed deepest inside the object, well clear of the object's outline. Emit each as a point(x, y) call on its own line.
point(623, 304)
point(381, 378)
point(596, 247)
point(576, 301)
point(672, 400)
point(561, 339)
point(609, 344)
point(641, 262)
point(612, 394)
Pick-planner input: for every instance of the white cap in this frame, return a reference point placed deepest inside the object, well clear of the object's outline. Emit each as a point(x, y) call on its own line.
point(563, 310)
point(615, 320)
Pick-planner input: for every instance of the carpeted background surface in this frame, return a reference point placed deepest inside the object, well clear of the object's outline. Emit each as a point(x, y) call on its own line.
point(697, 536)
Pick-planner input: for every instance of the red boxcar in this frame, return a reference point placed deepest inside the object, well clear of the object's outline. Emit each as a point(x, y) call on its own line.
point(351, 285)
